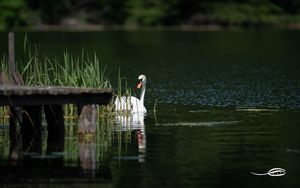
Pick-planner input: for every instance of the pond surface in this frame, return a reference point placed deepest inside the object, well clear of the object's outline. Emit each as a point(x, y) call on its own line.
point(227, 104)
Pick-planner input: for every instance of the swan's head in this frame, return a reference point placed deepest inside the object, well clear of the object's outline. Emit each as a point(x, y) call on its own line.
point(141, 81)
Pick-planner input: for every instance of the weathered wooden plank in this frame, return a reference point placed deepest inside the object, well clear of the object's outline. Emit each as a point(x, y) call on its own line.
point(51, 90)
point(102, 98)
point(18, 79)
point(24, 95)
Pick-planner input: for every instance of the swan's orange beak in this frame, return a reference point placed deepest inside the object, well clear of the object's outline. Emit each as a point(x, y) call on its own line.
point(139, 84)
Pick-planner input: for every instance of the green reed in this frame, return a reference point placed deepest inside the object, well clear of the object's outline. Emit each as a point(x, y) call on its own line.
point(102, 141)
point(123, 91)
point(66, 70)
point(83, 70)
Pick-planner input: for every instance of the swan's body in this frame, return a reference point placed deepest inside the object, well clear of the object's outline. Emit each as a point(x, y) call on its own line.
point(130, 103)
point(133, 104)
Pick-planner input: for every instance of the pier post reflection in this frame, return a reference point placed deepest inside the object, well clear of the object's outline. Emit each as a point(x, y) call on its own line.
point(57, 150)
point(86, 134)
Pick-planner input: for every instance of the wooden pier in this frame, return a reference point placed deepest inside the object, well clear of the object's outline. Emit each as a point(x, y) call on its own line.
point(15, 95)
point(34, 99)
point(26, 105)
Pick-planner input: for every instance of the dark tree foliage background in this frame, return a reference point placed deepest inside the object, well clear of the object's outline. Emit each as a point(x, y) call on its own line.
point(243, 13)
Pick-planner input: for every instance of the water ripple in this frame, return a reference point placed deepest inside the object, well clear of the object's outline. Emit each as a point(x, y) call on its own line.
point(200, 124)
point(224, 94)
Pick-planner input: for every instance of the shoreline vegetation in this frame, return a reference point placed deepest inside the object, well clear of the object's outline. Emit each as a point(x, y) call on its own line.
point(66, 69)
point(96, 15)
point(91, 28)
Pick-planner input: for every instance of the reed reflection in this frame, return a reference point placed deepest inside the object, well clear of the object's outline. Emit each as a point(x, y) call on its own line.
point(29, 136)
point(128, 124)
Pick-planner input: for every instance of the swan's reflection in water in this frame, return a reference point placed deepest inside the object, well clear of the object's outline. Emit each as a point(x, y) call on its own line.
point(133, 123)
point(128, 129)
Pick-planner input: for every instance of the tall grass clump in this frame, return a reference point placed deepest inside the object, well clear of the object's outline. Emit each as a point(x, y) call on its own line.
point(84, 70)
point(65, 71)
point(3, 62)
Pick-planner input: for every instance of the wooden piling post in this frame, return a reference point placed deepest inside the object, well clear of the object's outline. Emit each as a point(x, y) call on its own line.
point(11, 54)
point(88, 120)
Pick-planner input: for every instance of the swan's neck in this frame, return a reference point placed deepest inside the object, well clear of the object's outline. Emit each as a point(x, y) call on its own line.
point(143, 92)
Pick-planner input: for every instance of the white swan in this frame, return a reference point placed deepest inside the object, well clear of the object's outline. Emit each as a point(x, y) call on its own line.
point(133, 104)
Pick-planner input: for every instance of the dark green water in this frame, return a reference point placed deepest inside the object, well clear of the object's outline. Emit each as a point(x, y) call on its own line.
point(228, 104)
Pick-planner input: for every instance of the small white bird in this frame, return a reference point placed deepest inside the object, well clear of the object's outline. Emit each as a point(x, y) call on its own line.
point(133, 104)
